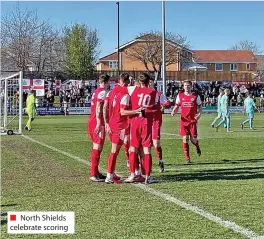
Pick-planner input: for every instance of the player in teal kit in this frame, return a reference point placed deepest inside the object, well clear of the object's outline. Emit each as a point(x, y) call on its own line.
point(249, 107)
point(219, 116)
point(225, 111)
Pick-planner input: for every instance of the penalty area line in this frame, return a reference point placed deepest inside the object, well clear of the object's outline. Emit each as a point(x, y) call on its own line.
point(224, 223)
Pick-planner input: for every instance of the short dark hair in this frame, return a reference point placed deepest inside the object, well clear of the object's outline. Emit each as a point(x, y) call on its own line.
point(144, 78)
point(104, 78)
point(125, 77)
point(188, 82)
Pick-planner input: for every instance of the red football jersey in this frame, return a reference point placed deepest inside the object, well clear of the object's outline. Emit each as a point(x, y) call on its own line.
point(98, 96)
point(142, 97)
point(117, 101)
point(110, 96)
point(161, 101)
point(188, 104)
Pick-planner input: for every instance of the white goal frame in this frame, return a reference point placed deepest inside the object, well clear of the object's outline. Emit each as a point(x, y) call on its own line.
point(11, 118)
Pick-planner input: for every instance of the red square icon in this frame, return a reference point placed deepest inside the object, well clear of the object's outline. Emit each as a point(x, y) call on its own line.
point(12, 217)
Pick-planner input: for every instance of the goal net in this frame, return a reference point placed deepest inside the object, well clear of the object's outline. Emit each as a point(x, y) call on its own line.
point(11, 104)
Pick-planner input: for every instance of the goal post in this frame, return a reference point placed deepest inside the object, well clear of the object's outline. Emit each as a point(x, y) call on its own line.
point(11, 104)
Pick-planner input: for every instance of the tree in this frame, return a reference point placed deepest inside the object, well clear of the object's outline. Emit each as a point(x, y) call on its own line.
point(148, 51)
point(26, 40)
point(81, 43)
point(247, 45)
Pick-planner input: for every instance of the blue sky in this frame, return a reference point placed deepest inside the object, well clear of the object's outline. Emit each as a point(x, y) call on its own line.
point(207, 25)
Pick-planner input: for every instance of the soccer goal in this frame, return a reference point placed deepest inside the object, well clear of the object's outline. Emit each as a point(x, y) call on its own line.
point(11, 104)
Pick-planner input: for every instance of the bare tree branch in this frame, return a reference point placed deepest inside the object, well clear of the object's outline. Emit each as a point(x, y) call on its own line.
point(148, 50)
point(247, 45)
point(26, 40)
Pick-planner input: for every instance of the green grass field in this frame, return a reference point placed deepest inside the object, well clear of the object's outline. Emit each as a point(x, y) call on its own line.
point(226, 181)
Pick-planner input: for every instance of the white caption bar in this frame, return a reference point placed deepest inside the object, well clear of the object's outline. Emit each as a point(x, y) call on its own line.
point(41, 223)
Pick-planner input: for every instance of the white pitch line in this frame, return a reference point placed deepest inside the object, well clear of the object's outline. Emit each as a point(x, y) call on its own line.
point(227, 224)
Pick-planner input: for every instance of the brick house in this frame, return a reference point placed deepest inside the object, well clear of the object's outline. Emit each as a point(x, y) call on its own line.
point(240, 61)
point(110, 61)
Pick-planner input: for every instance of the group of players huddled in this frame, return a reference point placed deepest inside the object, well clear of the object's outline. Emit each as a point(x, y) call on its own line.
point(132, 117)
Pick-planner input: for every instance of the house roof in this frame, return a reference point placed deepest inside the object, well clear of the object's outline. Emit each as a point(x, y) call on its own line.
point(113, 56)
point(146, 37)
point(110, 57)
point(224, 56)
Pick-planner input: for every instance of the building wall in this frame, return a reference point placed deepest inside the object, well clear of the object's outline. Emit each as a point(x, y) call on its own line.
point(226, 67)
point(103, 66)
point(127, 64)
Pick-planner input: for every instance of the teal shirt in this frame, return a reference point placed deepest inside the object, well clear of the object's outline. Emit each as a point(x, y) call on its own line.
point(249, 105)
point(219, 102)
point(224, 104)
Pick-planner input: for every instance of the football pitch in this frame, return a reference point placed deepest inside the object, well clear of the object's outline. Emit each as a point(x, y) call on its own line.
point(221, 195)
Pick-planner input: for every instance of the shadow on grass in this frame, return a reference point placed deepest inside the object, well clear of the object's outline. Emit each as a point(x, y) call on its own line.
point(224, 161)
point(3, 222)
point(217, 174)
point(9, 205)
point(4, 214)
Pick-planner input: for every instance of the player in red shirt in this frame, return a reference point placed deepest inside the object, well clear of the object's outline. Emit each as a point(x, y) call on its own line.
point(191, 109)
point(96, 127)
point(142, 98)
point(157, 123)
point(117, 107)
point(109, 107)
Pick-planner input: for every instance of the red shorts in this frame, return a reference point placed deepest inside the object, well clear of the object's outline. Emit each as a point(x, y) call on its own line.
point(156, 128)
point(97, 138)
point(117, 136)
point(190, 129)
point(141, 135)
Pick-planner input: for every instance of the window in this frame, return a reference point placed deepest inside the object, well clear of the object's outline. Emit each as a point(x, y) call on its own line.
point(218, 67)
point(233, 67)
point(113, 64)
point(247, 66)
point(203, 64)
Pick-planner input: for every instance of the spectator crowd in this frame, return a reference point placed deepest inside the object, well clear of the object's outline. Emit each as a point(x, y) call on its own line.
point(209, 91)
point(79, 95)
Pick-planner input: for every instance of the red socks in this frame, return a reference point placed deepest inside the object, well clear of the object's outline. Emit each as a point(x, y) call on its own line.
point(147, 164)
point(111, 162)
point(95, 157)
point(132, 161)
point(185, 147)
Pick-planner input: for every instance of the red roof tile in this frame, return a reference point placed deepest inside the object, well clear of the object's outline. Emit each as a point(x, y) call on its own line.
point(224, 56)
point(110, 57)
